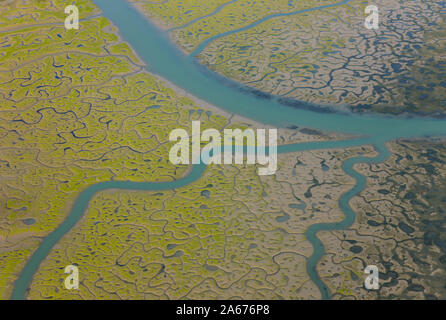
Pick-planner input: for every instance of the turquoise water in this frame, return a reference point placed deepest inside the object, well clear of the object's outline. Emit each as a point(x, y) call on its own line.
point(205, 43)
point(164, 59)
point(205, 16)
point(344, 201)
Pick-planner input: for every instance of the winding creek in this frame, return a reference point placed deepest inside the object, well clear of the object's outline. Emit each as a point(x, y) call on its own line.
point(166, 60)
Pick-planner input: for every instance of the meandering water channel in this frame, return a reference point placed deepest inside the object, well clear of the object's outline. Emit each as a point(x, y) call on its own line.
point(166, 60)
